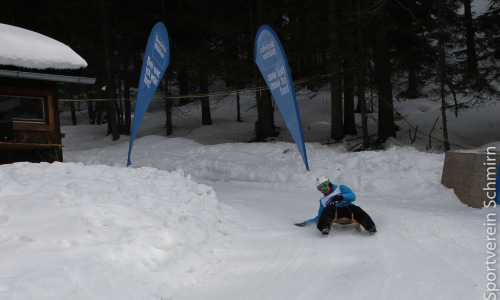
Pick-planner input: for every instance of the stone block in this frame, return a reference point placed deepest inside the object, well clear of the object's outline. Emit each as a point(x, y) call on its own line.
point(472, 175)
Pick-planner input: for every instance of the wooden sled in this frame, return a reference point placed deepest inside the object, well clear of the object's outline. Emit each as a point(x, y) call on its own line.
point(346, 221)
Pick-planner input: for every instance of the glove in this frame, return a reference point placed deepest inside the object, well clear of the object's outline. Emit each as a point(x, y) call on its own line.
point(300, 224)
point(337, 198)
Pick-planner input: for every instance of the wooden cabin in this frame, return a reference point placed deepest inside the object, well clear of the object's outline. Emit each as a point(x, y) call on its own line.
point(29, 116)
point(29, 110)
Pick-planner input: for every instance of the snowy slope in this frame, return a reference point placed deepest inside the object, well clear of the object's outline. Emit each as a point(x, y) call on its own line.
point(105, 232)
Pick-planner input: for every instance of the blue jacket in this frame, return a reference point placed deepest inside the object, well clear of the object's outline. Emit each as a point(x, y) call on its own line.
point(349, 197)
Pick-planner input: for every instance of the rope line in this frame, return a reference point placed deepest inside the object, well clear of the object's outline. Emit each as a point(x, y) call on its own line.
point(202, 95)
point(262, 88)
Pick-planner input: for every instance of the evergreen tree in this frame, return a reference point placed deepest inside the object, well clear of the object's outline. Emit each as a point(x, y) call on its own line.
point(362, 45)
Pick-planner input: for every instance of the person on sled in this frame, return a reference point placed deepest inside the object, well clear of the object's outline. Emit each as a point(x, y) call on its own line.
point(337, 199)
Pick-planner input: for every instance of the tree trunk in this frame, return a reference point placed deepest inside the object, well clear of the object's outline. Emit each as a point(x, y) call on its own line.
point(112, 120)
point(110, 91)
point(183, 87)
point(168, 113)
point(119, 115)
point(127, 106)
point(73, 112)
point(349, 109)
point(347, 32)
point(470, 41)
point(168, 110)
point(361, 77)
point(386, 128)
point(99, 107)
point(264, 127)
point(337, 124)
point(128, 109)
point(238, 108)
point(206, 118)
point(91, 110)
point(412, 91)
point(442, 77)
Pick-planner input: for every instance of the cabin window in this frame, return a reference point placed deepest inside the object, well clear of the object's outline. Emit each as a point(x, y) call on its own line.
point(24, 109)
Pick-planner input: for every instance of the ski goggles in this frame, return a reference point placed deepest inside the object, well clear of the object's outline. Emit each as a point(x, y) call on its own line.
point(323, 186)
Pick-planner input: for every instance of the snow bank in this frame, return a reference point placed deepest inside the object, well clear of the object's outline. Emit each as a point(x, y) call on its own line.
point(276, 163)
point(69, 231)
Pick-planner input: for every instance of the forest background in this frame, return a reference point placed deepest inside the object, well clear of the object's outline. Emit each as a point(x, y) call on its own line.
point(363, 50)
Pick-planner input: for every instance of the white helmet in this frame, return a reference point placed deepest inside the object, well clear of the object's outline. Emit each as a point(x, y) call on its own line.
point(321, 180)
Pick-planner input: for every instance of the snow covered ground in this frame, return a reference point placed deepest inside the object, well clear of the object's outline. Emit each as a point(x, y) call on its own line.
point(205, 215)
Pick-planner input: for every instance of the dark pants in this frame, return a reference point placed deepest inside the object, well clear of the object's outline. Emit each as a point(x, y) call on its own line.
point(328, 215)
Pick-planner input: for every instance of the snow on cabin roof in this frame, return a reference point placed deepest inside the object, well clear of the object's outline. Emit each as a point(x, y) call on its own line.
point(28, 49)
